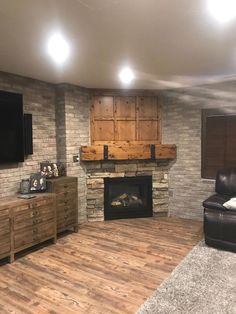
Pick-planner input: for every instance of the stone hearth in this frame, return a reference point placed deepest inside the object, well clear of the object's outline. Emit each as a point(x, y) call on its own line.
point(97, 171)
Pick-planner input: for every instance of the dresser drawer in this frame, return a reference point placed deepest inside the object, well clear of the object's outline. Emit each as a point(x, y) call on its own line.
point(67, 195)
point(33, 217)
point(34, 234)
point(66, 212)
point(65, 186)
point(5, 244)
point(66, 220)
point(65, 198)
point(36, 205)
point(66, 205)
point(4, 214)
point(5, 239)
point(4, 226)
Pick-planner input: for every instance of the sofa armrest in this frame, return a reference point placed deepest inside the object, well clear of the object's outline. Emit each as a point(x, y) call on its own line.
point(216, 202)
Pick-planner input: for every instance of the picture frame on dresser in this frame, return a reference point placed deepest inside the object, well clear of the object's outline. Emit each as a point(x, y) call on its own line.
point(37, 183)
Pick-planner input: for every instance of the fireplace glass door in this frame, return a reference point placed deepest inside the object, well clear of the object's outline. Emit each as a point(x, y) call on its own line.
point(129, 197)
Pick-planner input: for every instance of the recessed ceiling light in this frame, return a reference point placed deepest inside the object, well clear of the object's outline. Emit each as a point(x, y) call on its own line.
point(58, 48)
point(223, 10)
point(126, 75)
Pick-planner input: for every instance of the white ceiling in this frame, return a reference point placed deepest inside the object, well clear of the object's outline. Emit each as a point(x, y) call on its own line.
point(166, 42)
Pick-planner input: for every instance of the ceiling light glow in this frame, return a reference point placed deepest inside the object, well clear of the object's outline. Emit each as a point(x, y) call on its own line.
point(222, 10)
point(58, 48)
point(126, 75)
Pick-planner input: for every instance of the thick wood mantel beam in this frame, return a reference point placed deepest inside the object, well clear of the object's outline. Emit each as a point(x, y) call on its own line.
point(128, 152)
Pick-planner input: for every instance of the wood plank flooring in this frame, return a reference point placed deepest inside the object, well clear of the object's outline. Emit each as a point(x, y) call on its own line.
point(108, 267)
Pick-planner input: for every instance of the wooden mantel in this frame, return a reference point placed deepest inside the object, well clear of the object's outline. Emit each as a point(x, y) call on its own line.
point(128, 152)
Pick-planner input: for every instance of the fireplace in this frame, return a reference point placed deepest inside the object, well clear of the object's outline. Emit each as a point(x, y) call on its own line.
point(128, 197)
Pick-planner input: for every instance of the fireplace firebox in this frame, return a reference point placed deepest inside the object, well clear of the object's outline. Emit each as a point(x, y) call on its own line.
point(128, 197)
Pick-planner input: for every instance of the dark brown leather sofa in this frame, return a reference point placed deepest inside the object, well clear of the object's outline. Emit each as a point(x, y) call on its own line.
point(220, 222)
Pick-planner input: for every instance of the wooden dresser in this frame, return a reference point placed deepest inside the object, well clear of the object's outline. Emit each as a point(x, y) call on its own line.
point(66, 190)
point(24, 223)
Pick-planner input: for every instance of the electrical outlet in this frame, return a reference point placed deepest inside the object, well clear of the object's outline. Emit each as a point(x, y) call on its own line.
point(75, 158)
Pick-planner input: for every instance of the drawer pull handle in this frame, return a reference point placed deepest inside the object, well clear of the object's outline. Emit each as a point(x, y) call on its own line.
point(65, 186)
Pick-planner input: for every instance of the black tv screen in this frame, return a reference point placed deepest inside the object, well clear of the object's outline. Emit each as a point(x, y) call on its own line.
point(11, 127)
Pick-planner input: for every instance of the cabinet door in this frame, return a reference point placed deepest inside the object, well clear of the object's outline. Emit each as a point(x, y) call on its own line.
point(125, 119)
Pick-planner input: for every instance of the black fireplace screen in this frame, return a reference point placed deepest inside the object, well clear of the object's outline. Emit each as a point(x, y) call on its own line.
point(129, 197)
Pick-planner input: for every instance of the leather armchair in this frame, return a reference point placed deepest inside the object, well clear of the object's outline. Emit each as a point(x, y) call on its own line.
point(220, 222)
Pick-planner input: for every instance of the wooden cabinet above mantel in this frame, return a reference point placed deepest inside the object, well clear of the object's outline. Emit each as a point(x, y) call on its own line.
point(125, 118)
point(126, 128)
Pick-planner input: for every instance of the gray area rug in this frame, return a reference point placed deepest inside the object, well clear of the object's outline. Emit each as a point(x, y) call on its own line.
point(204, 282)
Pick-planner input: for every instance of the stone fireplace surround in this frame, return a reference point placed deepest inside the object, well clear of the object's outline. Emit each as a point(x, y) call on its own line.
point(97, 171)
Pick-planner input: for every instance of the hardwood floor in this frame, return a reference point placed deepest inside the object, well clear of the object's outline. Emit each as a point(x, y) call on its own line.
point(108, 267)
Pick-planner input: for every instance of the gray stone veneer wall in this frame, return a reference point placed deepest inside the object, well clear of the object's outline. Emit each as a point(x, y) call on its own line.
point(39, 99)
point(61, 126)
point(73, 107)
point(181, 125)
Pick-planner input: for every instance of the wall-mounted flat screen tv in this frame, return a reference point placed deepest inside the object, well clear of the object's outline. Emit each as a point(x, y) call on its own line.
point(11, 127)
